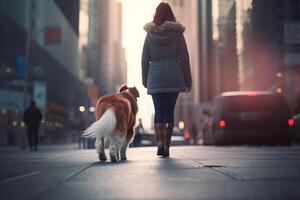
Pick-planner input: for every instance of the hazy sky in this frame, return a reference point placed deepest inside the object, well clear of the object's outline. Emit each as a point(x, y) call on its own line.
point(135, 14)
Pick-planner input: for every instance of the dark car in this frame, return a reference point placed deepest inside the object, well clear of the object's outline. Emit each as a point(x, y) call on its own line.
point(147, 139)
point(180, 137)
point(249, 118)
point(297, 127)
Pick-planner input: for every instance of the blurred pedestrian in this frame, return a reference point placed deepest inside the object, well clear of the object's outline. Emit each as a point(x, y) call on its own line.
point(10, 129)
point(139, 129)
point(32, 118)
point(194, 133)
point(165, 71)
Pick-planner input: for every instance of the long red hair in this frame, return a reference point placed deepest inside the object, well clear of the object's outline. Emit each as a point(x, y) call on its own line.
point(163, 13)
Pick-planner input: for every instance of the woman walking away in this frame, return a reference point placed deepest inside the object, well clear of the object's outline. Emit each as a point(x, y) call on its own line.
point(165, 70)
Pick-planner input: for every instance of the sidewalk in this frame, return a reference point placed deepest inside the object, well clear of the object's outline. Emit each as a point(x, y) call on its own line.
point(191, 173)
point(42, 147)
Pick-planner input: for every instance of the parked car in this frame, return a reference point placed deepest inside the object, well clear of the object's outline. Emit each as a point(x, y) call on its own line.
point(297, 127)
point(180, 137)
point(147, 139)
point(249, 118)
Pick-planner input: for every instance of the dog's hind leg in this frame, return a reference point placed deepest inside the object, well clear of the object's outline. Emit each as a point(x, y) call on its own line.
point(100, 149)
point(125, 144)
point(124, 149)
point(113, 148)
point(120, 139)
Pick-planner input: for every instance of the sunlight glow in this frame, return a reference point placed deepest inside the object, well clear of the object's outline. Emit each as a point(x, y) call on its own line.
point(136, 13)
point(83, 23)
point(215, 13)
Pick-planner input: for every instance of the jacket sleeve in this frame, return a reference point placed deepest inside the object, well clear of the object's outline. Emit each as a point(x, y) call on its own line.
point(146, 57)
point(185, 61)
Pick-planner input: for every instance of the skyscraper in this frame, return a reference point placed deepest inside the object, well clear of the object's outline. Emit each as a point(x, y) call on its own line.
point(207, 70)
point(51, 31)
point(225, 46)
point(264, 46)
point(97, 37)
point(106, 58)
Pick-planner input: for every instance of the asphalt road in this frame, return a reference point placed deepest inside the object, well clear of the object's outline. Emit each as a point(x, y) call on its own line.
point(198, 172)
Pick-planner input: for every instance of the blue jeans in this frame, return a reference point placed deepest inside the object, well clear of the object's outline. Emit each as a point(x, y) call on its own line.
point(164, 105)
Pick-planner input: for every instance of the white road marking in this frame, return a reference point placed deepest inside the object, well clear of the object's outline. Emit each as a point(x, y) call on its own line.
point(19, 177)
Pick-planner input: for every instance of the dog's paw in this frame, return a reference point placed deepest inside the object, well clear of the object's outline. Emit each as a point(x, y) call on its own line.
point(123, 156)
point(113, 159)
point(102, 157)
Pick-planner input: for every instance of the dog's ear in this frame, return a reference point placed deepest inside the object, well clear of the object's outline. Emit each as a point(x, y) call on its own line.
point(135, 92)
point(123, 88)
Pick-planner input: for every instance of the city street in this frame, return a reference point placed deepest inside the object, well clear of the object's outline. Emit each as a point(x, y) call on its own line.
point(172, 72)
point(65, 172)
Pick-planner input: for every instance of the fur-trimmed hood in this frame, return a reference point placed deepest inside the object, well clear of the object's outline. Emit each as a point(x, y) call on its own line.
point(165, 33)
point(165, 27)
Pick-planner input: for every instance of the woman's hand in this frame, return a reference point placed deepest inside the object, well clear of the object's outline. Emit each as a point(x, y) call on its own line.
point(187, 89)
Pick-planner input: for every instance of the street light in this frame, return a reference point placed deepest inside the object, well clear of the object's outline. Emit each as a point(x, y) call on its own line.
point(22, 124)
point(81, 109)
point(92, 109)
point(14, 123)
point(181, 125)
point(278, 74)
point(279, 90)
point(8, 69)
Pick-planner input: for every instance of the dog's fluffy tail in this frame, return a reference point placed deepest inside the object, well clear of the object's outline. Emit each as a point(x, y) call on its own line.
point(103, 126)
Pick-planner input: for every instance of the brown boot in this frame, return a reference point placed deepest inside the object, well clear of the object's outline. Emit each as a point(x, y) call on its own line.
point(164, 138)
point(158, 137)
point(168, 136)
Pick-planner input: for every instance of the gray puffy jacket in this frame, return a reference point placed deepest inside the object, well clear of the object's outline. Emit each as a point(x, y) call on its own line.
point(165, 59)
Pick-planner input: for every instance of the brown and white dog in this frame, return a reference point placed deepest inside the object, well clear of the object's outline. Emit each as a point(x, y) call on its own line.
point(115, 119)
